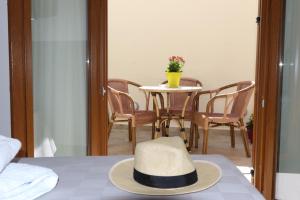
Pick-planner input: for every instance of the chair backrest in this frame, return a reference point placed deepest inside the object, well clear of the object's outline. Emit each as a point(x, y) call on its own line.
point(122, 86)
point(245, 90)
point(177, 99)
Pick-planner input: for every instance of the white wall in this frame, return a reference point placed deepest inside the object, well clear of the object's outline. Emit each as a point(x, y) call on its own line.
point(216, 37)
point(4, 72)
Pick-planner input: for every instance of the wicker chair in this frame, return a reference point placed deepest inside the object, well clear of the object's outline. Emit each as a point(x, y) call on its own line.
point(177, 101)
point(123, 108)
point(235, 107)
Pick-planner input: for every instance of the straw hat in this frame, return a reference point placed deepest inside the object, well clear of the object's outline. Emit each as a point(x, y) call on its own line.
point(163, 167)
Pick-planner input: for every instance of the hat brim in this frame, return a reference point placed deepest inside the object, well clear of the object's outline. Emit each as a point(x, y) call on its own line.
point(121, 175)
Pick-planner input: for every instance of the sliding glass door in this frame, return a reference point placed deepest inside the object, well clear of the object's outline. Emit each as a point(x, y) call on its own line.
point(287, 180)
point(59, 69)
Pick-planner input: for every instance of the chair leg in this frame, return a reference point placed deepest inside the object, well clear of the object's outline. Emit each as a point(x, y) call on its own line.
point(129, 131)
point(167, 128)
point(205, 141)
point(245, 141)
point(163, 128)
point(197, 136)
point(232, 136)
point(153, 130)
point(192, 134)
point(133, 131)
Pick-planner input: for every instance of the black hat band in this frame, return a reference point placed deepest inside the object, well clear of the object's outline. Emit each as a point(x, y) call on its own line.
point(165, 181)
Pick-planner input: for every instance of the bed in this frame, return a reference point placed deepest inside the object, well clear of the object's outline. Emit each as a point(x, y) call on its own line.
point(87, 178)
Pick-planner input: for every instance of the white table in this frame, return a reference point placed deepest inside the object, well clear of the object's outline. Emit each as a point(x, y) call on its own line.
point(154, 90)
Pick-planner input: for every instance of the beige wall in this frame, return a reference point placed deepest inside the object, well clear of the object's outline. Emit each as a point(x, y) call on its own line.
point(216, 37)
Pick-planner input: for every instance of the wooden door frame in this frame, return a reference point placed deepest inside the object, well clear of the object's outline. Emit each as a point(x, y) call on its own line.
point(20, 74)
point(21, 89)
point(266, 96)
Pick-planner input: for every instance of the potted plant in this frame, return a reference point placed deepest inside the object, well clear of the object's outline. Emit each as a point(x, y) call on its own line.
point(174, 71)
point(249, 126)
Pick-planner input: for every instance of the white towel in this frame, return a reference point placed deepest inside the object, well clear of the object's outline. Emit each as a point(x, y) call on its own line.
point(25, 182)
point(9, 147)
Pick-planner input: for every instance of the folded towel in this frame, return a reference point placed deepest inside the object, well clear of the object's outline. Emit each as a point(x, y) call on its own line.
point(9, 147)
point(22, 181)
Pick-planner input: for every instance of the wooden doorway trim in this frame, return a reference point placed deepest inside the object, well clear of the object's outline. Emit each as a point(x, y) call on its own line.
point(21, 74)
point(21, 89)
point(98, 138)
point(267, 95)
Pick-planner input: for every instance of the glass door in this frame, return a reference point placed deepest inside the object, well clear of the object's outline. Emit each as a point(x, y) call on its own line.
point(59, 65)
point(287, 179)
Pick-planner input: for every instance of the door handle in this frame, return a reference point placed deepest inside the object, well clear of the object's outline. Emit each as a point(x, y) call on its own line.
point(102, 91)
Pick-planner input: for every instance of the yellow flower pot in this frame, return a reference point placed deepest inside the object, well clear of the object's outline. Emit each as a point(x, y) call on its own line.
point(173, 79)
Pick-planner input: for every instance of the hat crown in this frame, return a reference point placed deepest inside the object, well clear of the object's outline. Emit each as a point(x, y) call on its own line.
point(165, 156)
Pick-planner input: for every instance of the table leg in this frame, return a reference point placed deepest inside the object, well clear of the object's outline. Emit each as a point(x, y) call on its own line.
point(182, 129)
point(192, 135)
point(168, 114)
point(157, 123)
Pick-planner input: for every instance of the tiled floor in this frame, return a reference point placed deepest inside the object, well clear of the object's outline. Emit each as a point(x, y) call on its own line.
point(218, 143)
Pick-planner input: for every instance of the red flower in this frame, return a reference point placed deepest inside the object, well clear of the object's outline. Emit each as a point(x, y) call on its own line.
point(176, 59)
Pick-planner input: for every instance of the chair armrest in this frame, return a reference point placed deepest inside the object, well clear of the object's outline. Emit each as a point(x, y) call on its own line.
point(195, 102)
point(118, 95)
point(131, 102)
point(147, 97)
point(228, 101)
point(226, 87)
point(231, 97)
point(134, 84)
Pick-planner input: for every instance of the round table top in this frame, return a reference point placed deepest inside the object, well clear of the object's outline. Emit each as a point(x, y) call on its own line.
point(166, 89)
